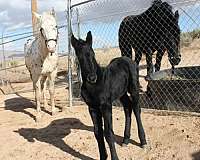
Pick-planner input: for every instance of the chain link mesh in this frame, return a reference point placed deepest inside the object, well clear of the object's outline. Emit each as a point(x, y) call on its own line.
point(149, 31)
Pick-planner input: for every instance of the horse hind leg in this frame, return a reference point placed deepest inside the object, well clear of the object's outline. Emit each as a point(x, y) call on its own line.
point(128, 112)
point(137, 111)
point(125, 47)
point(51, 78)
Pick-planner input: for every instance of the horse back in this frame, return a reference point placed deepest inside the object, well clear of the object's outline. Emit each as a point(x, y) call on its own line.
point(122, 72)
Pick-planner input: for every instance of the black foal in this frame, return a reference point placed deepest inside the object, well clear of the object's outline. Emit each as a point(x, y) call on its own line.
point(101, 86)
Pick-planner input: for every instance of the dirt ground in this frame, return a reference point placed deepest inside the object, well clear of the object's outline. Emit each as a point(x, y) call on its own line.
point(69, 135)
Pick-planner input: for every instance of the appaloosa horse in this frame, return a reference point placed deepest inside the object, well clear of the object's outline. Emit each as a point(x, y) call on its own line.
point(41, 58)
point(156, 29)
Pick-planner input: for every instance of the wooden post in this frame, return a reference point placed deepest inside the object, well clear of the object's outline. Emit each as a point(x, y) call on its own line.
point(34, 19)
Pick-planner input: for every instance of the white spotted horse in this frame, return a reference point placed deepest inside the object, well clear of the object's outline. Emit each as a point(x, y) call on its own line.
point(41, 58)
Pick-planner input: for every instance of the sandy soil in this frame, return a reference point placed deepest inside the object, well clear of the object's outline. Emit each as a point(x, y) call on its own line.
point(69, 134)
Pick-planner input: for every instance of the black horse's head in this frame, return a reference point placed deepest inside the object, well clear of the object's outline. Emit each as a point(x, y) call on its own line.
point(86, 57)
point(167, 29)
point(170, 31)
point(173, 45)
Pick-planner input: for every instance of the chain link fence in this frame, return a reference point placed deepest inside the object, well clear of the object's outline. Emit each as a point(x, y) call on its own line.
point(163, 37)
point(13, 72)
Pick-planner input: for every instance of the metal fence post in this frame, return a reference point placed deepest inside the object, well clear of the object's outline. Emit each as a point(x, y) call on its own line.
point(3, 53)
point(69, 52)
point(78, 22)
point(78, 35)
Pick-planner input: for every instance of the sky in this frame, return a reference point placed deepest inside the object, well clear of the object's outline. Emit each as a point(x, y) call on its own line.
point(17, 13)
point(102, 17)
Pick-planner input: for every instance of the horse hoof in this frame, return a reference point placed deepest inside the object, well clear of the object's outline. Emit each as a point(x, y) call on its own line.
point(147, 78)
point(124, 145)
point(54, 112)
point(146, 147)
point(104, 157)
point(38, 118)
point(45, 105)
point(125, 142)
point(64, 109)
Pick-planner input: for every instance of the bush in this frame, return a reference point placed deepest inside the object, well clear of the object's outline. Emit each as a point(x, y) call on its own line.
point(13, 63)
point(188, 37)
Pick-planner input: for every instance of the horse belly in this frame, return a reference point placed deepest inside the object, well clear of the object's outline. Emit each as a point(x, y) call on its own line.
point(119, 87)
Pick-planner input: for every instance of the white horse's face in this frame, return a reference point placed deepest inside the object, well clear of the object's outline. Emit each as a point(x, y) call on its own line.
point(49, 30)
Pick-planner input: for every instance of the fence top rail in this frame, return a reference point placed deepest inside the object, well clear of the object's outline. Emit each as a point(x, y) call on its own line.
point(21, 65)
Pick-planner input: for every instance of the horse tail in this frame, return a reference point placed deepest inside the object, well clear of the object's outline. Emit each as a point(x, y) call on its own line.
point(124, 38)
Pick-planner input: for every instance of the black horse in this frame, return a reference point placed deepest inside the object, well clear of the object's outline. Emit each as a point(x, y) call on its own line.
point(156, 29)
point(101, 86)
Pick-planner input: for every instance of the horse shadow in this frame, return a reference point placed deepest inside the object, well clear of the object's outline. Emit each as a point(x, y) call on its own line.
point(196, 156)
point(20, 104)
point(56, 131)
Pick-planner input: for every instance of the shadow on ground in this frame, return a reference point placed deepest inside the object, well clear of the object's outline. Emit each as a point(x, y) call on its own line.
point(196, 156)
point(20, 104)
point(59, 129)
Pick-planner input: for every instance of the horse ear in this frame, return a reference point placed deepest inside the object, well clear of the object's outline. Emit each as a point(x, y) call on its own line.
point(74, 41)
point(177, 15)
point(89, 38)
point(53, 13)
point(38, 16)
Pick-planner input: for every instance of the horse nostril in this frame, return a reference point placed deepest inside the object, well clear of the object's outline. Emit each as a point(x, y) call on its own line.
point(92, 78)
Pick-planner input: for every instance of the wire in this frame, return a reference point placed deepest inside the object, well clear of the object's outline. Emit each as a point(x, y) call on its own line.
point(21, 65)
point(14, 35)
point(59, 27)
point(16, 39)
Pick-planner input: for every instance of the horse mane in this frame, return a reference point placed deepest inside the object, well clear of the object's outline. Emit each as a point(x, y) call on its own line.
point(167, 6)
point(38, 23)
point(164, 5)
point(156, 2)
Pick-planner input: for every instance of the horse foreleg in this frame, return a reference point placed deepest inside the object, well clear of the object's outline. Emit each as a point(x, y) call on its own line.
point(108, 130)
point(37, 87)
point(159, 56)
point(98, 131)
point(149, 64)
point(43, 87)
point(52, 91)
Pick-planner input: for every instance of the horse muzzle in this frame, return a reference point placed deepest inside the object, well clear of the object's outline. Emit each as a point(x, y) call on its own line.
point(51, 45)
point(92, 78)
point(175, 60)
